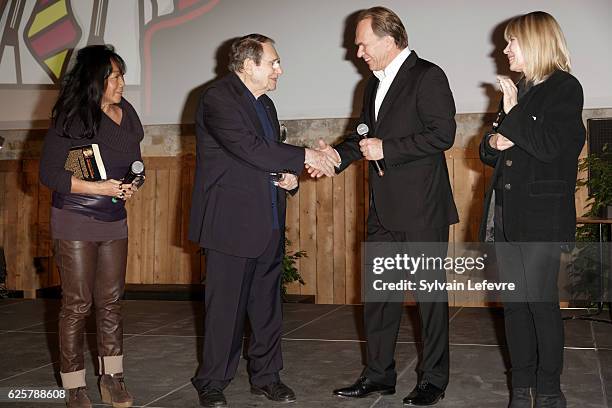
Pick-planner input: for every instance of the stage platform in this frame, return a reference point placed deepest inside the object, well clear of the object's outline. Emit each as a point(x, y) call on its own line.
point(323, 348)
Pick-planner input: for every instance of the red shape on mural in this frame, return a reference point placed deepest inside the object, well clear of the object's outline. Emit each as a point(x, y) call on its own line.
point(55, 39)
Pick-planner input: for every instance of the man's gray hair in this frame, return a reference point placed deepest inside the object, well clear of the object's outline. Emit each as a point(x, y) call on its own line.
point(386, 22)
point(249, 46)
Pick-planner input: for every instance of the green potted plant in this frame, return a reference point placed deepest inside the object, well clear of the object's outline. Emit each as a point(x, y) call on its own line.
point(599, 183)
point(290, 272)
point(585, 268)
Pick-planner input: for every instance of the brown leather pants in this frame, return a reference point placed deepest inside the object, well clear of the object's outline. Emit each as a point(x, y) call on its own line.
point(91, 273)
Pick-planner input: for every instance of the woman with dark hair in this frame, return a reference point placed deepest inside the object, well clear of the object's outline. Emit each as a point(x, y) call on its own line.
point(534, 148)
point(88, 218)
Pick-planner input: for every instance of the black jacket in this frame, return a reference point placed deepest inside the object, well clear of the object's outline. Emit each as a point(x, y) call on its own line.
point(539, 172)
point(231, 207)
point(416, 123)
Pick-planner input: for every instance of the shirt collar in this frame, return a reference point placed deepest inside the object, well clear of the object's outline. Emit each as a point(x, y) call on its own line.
point(394, 66)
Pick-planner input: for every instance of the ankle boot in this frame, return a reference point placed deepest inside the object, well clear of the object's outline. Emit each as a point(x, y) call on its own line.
point(113, 391)
point(77, 398)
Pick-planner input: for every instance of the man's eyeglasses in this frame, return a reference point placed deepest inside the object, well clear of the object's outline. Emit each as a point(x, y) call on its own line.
point(275, 64)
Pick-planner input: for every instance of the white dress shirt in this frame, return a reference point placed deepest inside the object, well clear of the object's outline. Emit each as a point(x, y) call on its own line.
point(386, 77)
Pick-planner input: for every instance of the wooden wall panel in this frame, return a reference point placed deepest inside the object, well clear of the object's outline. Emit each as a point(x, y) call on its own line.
point(4, 212)
point(308, 235)
point(26, 230)
point(355, 229)
point(135, 239)
point(189, 252)
point(148, 228)
point(339, 240)
point(14, 258)
point(162, 218)
point(468, 191)
point(326, 218)
point(292, 233)
point(325, 241)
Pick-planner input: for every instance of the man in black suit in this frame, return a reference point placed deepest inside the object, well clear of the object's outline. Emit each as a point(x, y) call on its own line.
point(242, 175)
point(409, 109)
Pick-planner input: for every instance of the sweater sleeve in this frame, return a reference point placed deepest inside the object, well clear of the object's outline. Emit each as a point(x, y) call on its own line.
point(51, 172)
point(488, 155)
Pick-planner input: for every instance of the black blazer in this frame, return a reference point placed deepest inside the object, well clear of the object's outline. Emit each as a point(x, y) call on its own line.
point(539, 172)
point(416, 123)
point(231, 208)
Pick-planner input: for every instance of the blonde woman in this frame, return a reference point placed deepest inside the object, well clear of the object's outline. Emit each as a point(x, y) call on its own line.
point(534, 149)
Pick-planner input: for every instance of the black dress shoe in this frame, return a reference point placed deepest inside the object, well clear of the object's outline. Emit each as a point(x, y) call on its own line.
point(521, 397)
point(363, 387)
point(212, 398)
point(276, 391)
point(550, 401)
point(424, 394)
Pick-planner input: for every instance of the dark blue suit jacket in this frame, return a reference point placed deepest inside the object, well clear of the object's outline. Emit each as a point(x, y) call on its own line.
point(231, 209)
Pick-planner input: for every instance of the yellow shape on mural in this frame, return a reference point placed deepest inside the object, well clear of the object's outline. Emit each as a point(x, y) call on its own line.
point(48, 16)
point(56, 62)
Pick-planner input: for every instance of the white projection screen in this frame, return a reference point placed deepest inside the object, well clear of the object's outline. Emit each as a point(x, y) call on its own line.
point(174, 47)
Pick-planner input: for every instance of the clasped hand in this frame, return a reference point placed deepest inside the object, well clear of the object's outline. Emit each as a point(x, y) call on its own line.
point(371, 148)
point(500, 142)
point(322, 160)
point(288, 181)
point(115, 188)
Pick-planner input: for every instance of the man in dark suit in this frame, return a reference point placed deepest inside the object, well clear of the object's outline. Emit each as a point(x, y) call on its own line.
point(409, 109)
point(238, 215)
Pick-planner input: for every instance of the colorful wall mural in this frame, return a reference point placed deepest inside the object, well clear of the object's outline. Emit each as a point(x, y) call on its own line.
point(39, 36)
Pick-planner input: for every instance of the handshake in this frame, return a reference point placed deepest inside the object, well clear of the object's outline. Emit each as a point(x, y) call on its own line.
point(319, 162)
point(322, 160)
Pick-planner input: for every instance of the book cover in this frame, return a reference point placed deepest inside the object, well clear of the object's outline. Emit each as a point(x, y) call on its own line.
point(85, 163)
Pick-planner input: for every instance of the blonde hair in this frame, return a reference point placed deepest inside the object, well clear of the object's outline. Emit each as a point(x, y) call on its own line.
point(542, 43)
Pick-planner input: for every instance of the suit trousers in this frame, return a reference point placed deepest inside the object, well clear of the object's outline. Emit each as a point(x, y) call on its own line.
point(382, 319)
point(238, 287)
point(533, 322)
point(92, 273)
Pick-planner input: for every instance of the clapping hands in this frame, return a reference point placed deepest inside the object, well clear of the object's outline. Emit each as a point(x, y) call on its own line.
point(510, 91)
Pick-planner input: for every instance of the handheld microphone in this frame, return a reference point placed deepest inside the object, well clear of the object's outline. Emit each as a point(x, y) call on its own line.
point(136, 169)
point(362, 130)
point(135, 172)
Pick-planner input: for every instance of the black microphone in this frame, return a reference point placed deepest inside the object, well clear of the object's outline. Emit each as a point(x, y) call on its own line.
point(136, 169)
point(135, 172)
point(362, 130)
